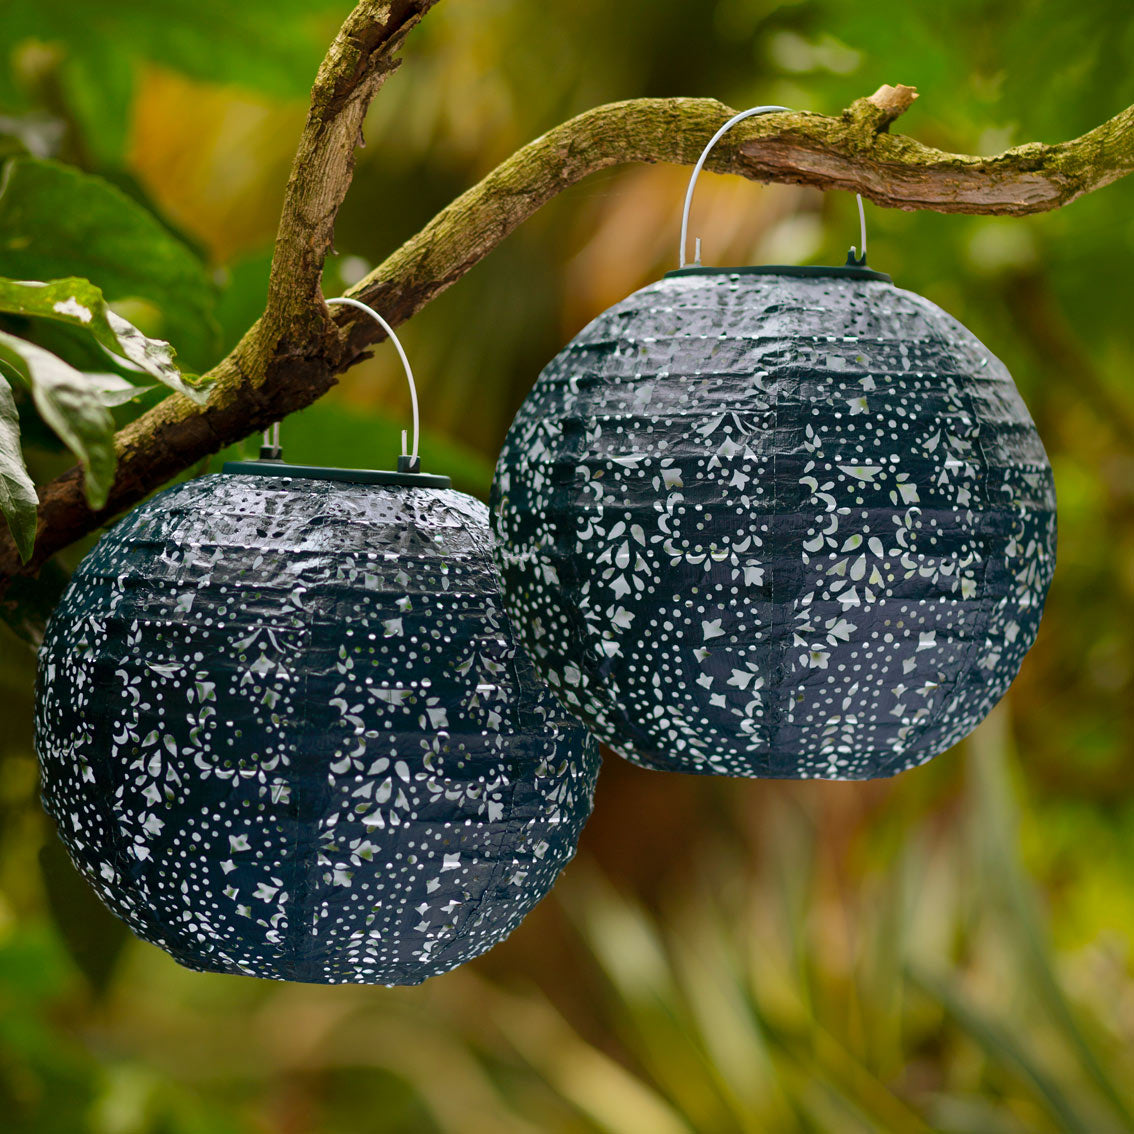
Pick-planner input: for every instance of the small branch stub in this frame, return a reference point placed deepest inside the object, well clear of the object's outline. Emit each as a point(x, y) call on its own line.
point(892, 103)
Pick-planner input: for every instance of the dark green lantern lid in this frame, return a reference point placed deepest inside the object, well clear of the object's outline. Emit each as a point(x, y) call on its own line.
point(270, 467)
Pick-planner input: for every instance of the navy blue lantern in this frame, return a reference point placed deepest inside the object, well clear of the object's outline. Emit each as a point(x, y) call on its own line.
point(285, 728)
point(775, 521)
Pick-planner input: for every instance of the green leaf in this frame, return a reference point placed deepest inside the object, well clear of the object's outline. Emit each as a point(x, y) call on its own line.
point(93, 936)
point(114, 390)
point(18, 500)
point(27, 604)
point(36, 133)
point(72, 405)
point(57, 222)
point(1003, 1046)
point(270, 46)
point(81, 304)
point(97, 82)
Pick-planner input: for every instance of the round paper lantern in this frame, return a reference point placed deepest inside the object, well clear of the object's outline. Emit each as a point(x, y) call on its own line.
point(775, 521)
point(285, 729)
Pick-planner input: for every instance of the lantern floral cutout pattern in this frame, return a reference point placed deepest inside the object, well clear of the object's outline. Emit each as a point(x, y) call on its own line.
point(771, 522)
point(285, 730)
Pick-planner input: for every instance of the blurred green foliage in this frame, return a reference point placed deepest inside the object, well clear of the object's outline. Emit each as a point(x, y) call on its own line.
point(951, 950)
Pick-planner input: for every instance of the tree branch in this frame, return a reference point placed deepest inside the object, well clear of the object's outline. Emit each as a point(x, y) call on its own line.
point(357, 64)
point(292, 355)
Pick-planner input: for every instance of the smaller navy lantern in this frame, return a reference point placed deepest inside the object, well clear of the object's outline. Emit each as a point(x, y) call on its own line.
point(775, 521)
point(285, 728)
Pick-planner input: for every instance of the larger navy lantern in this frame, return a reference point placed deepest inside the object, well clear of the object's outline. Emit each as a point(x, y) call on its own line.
point(785, 522)
point(285, 729)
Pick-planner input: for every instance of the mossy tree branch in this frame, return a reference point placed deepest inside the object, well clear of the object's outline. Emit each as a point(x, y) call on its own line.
point(293, 354)
point(852, 152)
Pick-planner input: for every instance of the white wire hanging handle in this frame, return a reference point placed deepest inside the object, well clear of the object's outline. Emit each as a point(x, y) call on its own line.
point(272, 449)
point(408, 462)
point(343, 299)
point(750, 113)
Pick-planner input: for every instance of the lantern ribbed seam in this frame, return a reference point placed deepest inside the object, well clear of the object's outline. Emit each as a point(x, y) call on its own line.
point(780, 618)
point(100, 770)
point(474, 905)
point(132, 873)
point(897, 761)
point(301, 872)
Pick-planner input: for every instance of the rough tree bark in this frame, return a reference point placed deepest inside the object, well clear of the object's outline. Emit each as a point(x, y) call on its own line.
point(294, 352)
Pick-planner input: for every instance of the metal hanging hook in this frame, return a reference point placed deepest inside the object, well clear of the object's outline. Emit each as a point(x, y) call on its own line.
point(859, 259)
point(410, 460)
point(750, 113)
point(270, 448)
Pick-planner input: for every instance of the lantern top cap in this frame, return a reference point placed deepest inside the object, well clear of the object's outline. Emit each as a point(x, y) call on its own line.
point(811, 271)
point(403, 478)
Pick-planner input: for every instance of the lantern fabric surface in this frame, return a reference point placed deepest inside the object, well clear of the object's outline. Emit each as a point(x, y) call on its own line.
point(776, 522)
point(285, 730)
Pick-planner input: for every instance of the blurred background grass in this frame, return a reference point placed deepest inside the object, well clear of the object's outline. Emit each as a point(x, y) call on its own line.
point(947, 951)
